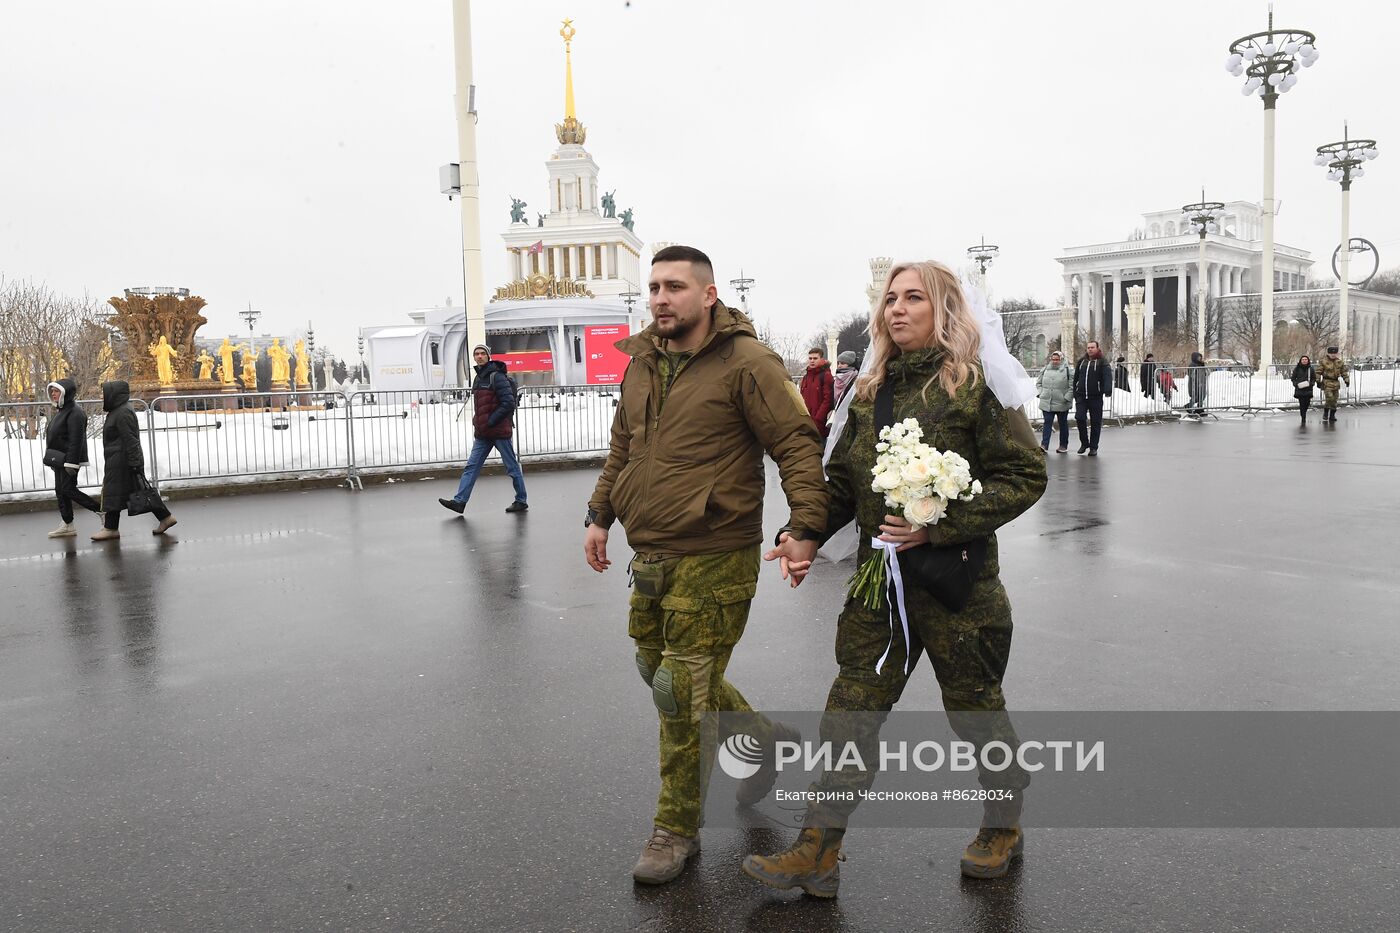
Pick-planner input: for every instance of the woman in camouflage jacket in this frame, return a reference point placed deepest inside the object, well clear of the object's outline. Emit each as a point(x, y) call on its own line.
point(926, 342)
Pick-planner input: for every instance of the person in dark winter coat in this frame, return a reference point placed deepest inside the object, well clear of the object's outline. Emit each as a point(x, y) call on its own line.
point(1304, 378)
point(818, 389)
point(1197, 384)
point(1147, 375)
point(68, 433)
point(1120, 373)
point(1093, 382)
point(123, 461)
point(494, 401)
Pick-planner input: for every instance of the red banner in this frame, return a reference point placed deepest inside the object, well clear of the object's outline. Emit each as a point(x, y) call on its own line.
point(527, 361)
point(604, 363)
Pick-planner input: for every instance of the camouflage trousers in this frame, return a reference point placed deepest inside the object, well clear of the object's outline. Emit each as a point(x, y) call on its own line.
point(685, 630)
point(969, 652)
point(1329, 393)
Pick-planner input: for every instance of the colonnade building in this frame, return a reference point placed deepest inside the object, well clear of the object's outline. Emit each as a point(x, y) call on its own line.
point(1161, 257)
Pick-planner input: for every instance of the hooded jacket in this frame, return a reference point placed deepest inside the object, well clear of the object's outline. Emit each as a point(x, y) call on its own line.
point(1198, 377)
point(1056, 389)
point(819, 393)
point(68, 426)
point(494, 399)
point(686, 476)
point(122, 458)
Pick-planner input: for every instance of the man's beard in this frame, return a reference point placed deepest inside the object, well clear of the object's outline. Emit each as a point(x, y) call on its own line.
point(675, 329)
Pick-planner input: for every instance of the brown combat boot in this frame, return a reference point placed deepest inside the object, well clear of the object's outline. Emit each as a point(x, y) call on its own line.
point(755, 787)
point(990, 854)
point(812, 863)
point(664, 856)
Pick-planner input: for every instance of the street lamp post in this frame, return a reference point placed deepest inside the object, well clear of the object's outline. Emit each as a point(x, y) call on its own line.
point(742, 286)
point(360, 345)
point(1202, 217)
point(1272, 60)
point(630, 297)
point(1343, 161)
point(311, 352)
point(250, 317)
point(983, 254)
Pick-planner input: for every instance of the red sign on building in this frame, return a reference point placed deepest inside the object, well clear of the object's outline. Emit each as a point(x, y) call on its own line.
point(527, 361)
point(604, 363)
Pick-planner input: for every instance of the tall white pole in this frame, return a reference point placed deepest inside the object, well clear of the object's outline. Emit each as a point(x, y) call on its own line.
point(1201, 295)
point(1346, 265)
point(472, 285)
point(1266, 314)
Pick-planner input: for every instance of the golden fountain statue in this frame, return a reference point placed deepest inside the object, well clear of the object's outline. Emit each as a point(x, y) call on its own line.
point(303, 371)
point(281, 368)
point(170, 315)
point(206, 366)
point(162, 352)
point(250, 369)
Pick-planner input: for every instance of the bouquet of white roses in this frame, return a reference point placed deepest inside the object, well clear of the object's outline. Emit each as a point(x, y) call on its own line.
point(918, 481)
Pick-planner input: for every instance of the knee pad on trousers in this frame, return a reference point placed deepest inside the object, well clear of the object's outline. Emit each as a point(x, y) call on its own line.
point(645, 669)
point(663, 692)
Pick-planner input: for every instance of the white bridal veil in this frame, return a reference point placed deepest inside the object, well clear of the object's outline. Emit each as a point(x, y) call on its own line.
point(1005, 376)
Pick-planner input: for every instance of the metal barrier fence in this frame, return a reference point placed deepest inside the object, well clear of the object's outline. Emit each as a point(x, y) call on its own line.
point(394, 430)
point(23, 432)
point(1172, 391)
point(240, 437)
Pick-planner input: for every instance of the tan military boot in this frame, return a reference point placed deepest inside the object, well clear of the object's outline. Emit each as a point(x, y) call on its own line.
point(664, 856)
point(990, 854)
point(66, 530)
point(756, 786)
point(812, 863)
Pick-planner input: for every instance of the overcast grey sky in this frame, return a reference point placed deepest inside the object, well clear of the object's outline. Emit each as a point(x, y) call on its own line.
point(286, 153)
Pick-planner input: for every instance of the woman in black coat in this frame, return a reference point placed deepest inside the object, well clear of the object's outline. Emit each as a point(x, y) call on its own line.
point(1197, 384)
point(1304, 378)
point(125, 464)
point(67, 435)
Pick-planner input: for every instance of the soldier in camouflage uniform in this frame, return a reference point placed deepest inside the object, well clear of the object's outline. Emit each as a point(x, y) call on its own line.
point(968, 649)
point(702, 400)
point(1330, 375)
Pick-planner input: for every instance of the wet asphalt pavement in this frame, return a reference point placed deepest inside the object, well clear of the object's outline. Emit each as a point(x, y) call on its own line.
point(356, 711)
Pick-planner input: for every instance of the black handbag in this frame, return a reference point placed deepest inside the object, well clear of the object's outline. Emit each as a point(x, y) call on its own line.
point(946, 571)
point(144, 498)
point(53, 457)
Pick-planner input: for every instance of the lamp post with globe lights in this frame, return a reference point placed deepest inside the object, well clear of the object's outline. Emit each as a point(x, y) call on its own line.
point(1202, 217)
point(983, 254)
point(1343, 161)
point(742, 286)
point(1271, 61)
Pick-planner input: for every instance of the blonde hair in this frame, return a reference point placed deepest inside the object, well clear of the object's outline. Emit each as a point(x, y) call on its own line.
point(955, 332)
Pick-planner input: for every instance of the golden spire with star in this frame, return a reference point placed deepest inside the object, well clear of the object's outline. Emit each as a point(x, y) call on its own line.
point(571, 131)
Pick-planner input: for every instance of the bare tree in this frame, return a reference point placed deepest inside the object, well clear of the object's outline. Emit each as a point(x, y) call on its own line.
point(1018, 322)
point(1386, 282)
point(1244, 327)
point(789, 346)
point(1317, 316)
point(45, 336)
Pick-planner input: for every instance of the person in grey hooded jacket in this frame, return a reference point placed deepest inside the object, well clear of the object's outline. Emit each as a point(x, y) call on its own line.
point(67, 433)
point(1056, 386)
